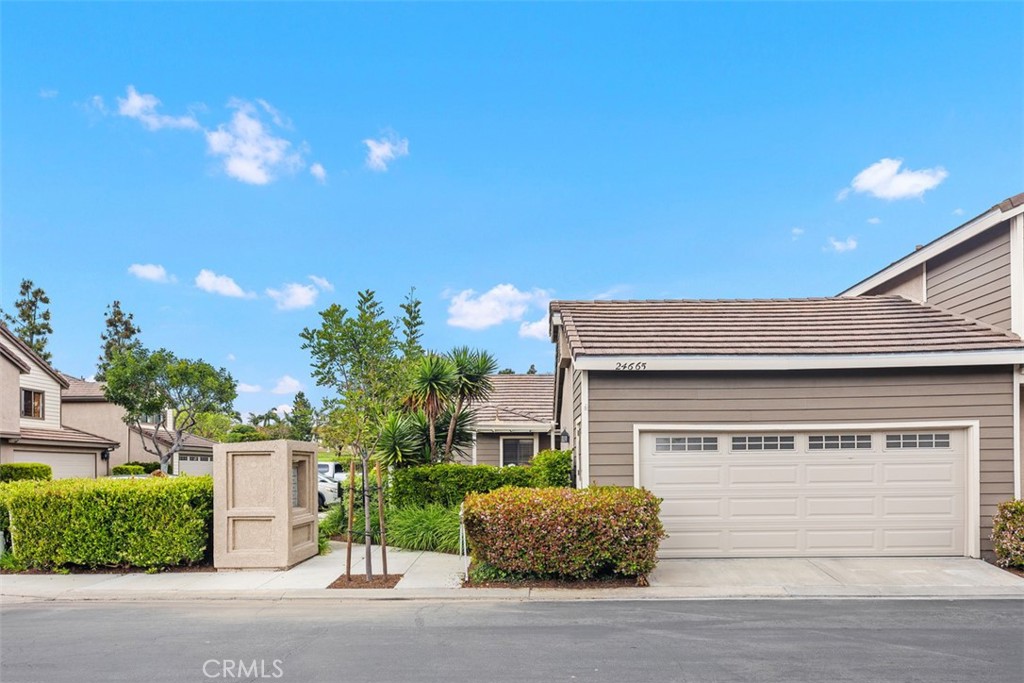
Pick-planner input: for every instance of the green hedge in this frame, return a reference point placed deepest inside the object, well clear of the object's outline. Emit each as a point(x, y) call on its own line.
point(447, 485)
point(18, 471)
point(1008, 534)
point(149, 522)
point(127, 469)
point(552, 468)
point(565, 533)
point(147, 467)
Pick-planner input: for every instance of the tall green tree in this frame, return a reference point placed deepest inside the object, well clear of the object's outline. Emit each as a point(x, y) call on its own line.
point(32, 319)
point(506, 371)
point(301, 419)
point(148, 383)
point(433, 386)
point(472, 383)
point(532, 370)
point(119, 334)
point(359, 358)
point(412, 327)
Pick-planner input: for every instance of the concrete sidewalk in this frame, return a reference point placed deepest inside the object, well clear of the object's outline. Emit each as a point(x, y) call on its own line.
point(438, 576)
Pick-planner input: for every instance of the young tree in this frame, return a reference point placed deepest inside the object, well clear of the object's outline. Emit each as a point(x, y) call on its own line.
point(121, 333)
point(32, 321)
point(412, 327)
point(148, 383)
point(359, 358)
point(301, 419)
point(472, 383)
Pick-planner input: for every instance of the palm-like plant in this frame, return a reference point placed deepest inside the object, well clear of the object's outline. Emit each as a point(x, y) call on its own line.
point(432, 389)
point(472, 384)
point(402, 440)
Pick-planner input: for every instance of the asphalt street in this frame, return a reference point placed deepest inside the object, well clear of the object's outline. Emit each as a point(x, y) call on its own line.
point(454, 642)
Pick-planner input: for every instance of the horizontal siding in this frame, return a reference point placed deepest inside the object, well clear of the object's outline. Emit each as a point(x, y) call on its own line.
point(487, 449)
point(577, 395)
point(620, 400)
point(973, 279)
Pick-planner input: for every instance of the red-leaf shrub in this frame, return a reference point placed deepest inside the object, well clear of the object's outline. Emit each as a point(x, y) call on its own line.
point(570, 533)
point(1008, 534)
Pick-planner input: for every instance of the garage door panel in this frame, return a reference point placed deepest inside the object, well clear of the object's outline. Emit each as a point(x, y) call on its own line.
point(64, 465)
point(828, 502)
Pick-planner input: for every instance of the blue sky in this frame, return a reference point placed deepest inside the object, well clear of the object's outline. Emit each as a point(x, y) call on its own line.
point(227, 170)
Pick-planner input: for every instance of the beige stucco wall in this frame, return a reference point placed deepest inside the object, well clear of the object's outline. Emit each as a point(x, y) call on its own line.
point(9, 396)
point(909, 285)
point(105, 419)
point(618, 401)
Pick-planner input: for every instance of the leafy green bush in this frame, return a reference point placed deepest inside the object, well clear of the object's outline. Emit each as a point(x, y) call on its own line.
point(1008, 534)
point(127, 469)
point(147, 467)
point(565, 533)
point(447, 485)
point(18, 471)
point(433, 527)
point(150, 522)
point(552, 468)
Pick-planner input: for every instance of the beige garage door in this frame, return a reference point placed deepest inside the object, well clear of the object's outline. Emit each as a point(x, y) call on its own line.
point(195, 465)
point(828, 493)
point(65, 465)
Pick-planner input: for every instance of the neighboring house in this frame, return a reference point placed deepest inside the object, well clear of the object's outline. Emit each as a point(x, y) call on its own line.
point(516, 422)
point(86, 407)
point(32, 425)
point(882, 422)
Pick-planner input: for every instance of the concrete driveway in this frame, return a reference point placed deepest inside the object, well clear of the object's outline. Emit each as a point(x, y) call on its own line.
point(954, 577)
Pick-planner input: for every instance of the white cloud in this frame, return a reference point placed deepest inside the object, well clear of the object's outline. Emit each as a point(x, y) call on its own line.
point(610, 293)
point(385, 150)
point(500, 304)
point(209, 281)
point(958, 212)
point(251, 151)
point(535, 330)
point(874, 220)
point(318, 171)
point(885, 180)
point(151, 272)
point(322, 283)
point(293, 296)
point(839, 246)
point(231, 357)
point(279, 120)
point(48, 93)
point(287, 385)
point(143, 108)
point(244, 388)
point(796, 233)
point(93, 106)
point(283, 410)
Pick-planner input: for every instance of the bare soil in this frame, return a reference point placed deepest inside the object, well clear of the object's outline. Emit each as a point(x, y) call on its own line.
point(359, 581)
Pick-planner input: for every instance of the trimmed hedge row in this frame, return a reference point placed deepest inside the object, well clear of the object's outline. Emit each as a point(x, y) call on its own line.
point(552, 468)
point(19, 471)
point(1008, 534)
point(448, 485)
point(147, 467)
point(565, 533)
point(148, 522)
point(127, 469)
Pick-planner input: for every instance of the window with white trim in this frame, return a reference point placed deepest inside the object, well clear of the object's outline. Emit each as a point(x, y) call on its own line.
point(928, 440)
point(760, 442)
point(837, 442)
point(683, 444)
point(516, 451)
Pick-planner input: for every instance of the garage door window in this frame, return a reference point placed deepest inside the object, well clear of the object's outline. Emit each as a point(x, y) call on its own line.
point(683, 444)
point(763, 443)
point(917, 440)
point(835, 442)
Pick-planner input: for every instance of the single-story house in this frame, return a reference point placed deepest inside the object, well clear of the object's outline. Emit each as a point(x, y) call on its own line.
point(885, 421)
point(32, 427)
point(86, 408)
point(516, 422)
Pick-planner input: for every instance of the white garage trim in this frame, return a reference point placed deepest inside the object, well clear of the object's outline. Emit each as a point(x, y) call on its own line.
point(972, 446)
point(1018, 453)
point(584, 444)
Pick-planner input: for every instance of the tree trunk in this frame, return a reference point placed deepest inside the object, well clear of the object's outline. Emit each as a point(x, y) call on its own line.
point(432, 419)
point(368, 528)
point(165, 463)
point(451, 428)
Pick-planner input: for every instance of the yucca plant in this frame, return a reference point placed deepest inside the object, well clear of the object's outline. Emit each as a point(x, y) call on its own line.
point(432, 387)
point(472, 384)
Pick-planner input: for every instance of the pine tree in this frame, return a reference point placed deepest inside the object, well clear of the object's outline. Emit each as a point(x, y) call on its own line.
point(532, 370)
point(300, 419)
point(32, 323)
point(121, 334)
point(412, 326)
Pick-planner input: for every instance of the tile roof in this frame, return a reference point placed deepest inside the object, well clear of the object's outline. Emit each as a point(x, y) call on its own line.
point(81, 390)
point(518, 398)
point(188, 441)
point(840, 325)
point(65, 435)
point(1011, 203)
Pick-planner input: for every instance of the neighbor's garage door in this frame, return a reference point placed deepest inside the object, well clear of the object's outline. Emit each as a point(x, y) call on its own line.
point(759, 494)
point(65, 465)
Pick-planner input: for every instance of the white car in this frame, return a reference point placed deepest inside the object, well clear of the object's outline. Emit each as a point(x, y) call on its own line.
point(327, 491)
point(333, 470)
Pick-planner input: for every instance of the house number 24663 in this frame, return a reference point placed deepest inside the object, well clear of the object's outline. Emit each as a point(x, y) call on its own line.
point(631, 366)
